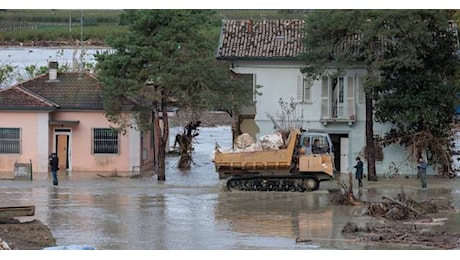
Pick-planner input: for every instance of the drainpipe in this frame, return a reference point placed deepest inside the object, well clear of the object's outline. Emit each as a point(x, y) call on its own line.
point(30, 169)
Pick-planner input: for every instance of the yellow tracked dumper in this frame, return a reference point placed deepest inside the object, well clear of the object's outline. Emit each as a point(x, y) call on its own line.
point(297, 167)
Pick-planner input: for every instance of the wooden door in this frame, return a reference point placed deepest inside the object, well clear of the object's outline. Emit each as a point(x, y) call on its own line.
point(62, 147)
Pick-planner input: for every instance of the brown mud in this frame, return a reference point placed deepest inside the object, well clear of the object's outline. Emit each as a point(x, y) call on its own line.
point(30, 235)
point(406, 220)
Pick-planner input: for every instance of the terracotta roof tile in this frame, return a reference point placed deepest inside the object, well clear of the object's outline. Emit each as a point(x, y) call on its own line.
point(265, 39)
point(16, 98)
point(71, 90)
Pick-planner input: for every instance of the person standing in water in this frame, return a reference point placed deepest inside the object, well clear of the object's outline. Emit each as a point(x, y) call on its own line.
point(54, 163)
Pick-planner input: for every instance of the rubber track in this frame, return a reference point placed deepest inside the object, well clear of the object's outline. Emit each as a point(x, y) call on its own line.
point(270, 183)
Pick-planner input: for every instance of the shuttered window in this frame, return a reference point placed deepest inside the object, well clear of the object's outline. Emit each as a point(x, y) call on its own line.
point(325, 100)
point(303, 89)
point(10, 140)
point(105, 141)
point(351, 98)
point(338, 98)
point(361, 93)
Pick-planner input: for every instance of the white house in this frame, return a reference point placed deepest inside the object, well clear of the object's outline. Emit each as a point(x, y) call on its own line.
point(267, 51)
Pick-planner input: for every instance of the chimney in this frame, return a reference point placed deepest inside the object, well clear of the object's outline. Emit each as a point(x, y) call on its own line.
point(250, 26)
point(52, 70)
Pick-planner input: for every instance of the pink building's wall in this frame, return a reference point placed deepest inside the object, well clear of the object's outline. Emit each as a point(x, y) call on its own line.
point(82, 158)
point(27, 122)
point(148, 155)
point(38, 141)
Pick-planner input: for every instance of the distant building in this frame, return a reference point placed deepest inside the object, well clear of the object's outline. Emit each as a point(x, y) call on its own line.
point(266, 52)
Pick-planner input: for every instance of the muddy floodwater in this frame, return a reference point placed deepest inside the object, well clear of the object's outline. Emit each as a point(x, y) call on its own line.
point(192, 210)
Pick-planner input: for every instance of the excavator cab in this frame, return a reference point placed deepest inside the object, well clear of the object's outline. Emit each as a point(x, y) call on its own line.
point(316, 143)
point(316, 154)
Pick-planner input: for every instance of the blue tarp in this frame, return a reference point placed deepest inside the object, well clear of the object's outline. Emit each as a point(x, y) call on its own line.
point(70, 247)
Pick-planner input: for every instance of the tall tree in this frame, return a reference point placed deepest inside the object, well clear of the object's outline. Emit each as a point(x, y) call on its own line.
point(166, 59)
point(374, 39)
point(420, 101)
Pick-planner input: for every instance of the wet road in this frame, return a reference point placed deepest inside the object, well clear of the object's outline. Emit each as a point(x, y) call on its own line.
point(191, 210)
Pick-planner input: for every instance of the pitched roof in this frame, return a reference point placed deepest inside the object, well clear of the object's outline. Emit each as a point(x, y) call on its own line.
point(264, 39)
point(17, 98)
point(71, 90)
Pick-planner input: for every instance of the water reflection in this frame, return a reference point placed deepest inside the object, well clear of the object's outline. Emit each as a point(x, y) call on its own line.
point(122, 213)
point(289, 215)
point(192, 211)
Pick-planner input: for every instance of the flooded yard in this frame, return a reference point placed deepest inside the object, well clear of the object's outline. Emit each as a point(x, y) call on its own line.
point(191, 210)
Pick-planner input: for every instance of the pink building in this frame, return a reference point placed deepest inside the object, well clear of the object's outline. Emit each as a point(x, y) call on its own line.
point(63, 113)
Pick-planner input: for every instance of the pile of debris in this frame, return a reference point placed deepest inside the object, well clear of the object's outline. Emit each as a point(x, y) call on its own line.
point(345, 195)
point(406, 222)
point(403, 207)
point(29, 235)
point(4, 245)
point(403, 234)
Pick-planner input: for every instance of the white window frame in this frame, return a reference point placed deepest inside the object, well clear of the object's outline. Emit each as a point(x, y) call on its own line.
point(341, 104)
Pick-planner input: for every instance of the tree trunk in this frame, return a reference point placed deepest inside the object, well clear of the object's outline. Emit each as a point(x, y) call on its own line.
point(370, 149)
point(161, 161)
point(236, 129)
point(163, 141)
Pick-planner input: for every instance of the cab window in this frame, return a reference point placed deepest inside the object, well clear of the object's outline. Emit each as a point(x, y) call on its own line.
point(320, 145)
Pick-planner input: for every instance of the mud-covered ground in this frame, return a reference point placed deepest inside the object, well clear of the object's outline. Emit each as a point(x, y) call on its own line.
point(409, 234)
point(406, 222)
point(403, 220)
point(30, 235)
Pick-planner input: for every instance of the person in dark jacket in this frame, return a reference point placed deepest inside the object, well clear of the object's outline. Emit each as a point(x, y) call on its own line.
point(359, 171)
point(54, 163)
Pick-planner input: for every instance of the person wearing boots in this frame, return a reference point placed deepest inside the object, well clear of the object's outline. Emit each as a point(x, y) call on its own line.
point(359, 171)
